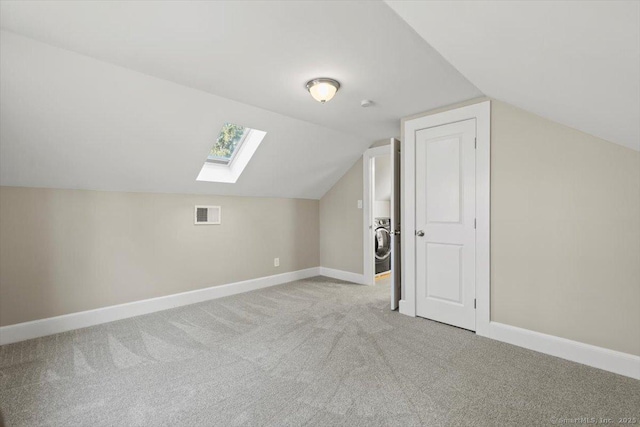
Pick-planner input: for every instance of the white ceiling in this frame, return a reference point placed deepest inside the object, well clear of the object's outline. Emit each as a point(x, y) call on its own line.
point(262, 53)
point(69, 121)
point(574, 62)
point(129, 96)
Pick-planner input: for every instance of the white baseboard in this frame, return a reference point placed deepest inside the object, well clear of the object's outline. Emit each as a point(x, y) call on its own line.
point(53, 325)
point(597, 357)
point(591, 355)
point(343, 275)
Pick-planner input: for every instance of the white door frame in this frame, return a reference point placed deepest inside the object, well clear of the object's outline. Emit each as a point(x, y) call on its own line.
point(368, 171)
point(482, 113)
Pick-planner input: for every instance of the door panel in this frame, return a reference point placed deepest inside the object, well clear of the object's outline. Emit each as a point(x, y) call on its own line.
point(444, 275)
point(445, 216)
point(443, 180)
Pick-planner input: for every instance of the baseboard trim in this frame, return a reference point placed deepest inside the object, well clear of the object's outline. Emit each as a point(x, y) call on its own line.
point(53, 325)
point(343, 275)
point(591, 355)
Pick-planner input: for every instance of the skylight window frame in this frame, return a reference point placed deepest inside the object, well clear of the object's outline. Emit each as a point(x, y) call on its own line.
point(236, 150)
point(228, 173)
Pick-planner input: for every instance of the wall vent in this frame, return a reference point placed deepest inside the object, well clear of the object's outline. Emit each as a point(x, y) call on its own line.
point(207, 215)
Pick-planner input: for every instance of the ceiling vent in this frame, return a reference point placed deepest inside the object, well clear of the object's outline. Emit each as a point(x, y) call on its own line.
point(207, 215)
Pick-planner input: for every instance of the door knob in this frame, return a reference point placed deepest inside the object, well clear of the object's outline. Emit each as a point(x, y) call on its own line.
point(419, 233)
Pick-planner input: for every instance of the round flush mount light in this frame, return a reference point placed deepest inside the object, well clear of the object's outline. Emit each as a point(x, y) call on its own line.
point(323, 89)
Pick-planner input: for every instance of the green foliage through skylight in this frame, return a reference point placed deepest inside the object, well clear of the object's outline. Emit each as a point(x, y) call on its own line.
point(228, 141)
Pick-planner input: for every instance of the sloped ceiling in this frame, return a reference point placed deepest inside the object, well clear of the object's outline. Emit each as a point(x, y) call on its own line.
point(574, 62)
point(130, 95)
point(69, 121)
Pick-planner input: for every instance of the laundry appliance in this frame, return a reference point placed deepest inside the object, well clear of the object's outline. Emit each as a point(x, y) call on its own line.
point(382, 246)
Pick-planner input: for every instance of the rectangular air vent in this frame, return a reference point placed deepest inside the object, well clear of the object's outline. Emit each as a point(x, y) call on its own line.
point(208, 215)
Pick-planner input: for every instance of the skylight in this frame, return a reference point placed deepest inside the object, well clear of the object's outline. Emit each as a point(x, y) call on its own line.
point(230, 154)
point(228, 143)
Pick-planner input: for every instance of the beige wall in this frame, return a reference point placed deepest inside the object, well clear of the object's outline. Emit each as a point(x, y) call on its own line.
point(64, 251)
point(565, 231)
point(565, 238)
point(341, 238)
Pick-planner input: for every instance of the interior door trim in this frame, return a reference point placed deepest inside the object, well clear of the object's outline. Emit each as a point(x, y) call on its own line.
point(482, 113)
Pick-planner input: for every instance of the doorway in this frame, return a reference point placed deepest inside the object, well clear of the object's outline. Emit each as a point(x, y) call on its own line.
point(381, 192)
point(381, 218)
point(446, 217)
point(445, 223)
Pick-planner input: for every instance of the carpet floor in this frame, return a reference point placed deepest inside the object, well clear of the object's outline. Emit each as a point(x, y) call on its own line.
point(311, 352)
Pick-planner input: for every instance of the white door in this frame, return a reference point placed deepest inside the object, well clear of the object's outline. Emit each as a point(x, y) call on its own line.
point(445, 223)
point(395, 223)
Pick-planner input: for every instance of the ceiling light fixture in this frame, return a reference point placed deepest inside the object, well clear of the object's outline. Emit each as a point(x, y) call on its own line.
point(323, 89)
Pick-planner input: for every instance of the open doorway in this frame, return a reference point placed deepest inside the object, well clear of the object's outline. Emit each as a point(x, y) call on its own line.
point(381, 216)
point(381, 206)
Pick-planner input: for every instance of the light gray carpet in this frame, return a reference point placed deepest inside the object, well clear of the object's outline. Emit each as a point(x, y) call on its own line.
point(311, 352)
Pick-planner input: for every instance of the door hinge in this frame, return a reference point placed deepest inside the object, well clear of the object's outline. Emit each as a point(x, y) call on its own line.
point(475, 223)
point(474, 303)
point(475, 142)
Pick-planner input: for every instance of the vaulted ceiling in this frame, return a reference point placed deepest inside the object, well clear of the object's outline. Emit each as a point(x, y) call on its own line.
point(574, 62)
point(130, 96)
point(68, 121)
point(90, 81)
